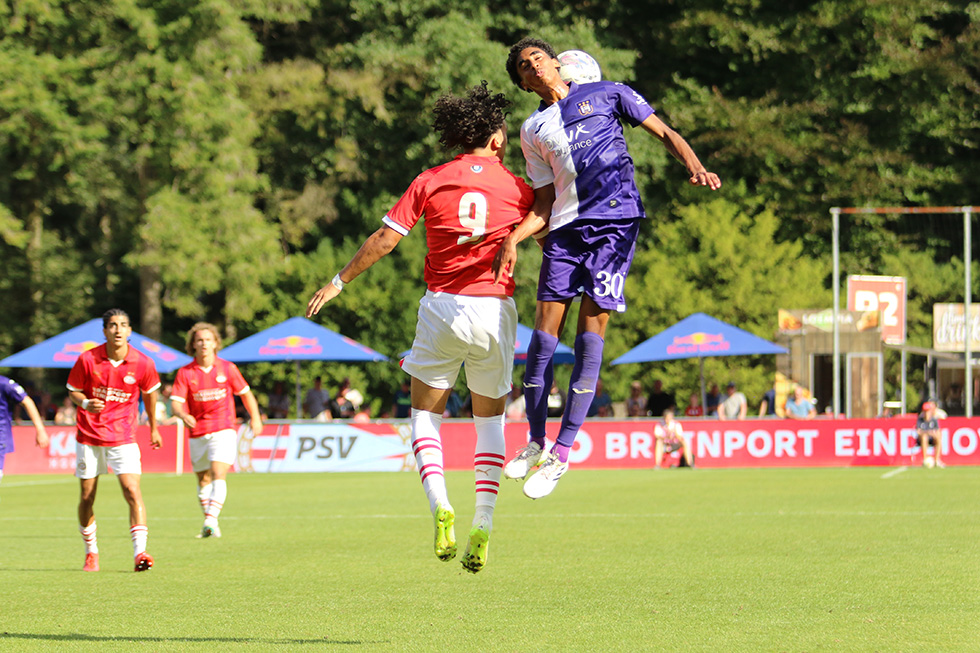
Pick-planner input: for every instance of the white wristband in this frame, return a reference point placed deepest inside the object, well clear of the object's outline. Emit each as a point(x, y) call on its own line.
point(84, 404)
point(336, 281)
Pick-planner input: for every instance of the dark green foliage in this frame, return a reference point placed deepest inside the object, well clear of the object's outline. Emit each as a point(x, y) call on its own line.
point(222, 159)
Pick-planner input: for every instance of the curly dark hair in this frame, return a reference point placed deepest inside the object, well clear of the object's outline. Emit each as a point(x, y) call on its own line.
point(470, 121)
point(515, 52)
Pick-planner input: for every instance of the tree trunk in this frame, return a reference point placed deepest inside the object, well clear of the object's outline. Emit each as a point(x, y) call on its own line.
point(151, 302)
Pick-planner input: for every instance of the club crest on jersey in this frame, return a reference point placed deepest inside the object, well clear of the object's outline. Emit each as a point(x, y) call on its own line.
point(221, 378)
point(130, 379)
point(476, 168)
point(585, 107)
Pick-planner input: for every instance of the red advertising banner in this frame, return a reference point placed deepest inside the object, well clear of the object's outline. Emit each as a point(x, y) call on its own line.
point(60, 455)
point(601, 444)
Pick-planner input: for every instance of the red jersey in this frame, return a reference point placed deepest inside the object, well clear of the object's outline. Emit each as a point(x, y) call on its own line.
point(470, 205)
point(694, 411)
point(118, 385)
point(209, 394)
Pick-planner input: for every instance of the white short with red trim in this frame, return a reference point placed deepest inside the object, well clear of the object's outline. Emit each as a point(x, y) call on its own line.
point(457, 329)
point(218, 447)
point(92, 460)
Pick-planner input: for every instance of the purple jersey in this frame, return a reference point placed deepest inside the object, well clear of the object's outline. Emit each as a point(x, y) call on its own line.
point(11, 394)
point(577, 144)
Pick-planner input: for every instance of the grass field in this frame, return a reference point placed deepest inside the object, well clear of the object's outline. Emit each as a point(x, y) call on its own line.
point(862, 559)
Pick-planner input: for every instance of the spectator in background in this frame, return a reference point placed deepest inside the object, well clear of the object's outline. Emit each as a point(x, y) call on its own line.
point(659, 401)
point(401, 405)
point(735, 406)
point(601, 402)
point(694, 408)
point(670, 437)
point(66, 413)
point(165, 409)
point(798, 406)
point(454, 405)
point(316, 401)
point(278, 402)
point(767, 408)
point(928, 434)
point(556, 401)
point(954, 400)
point(636, 403)
point(341, 406)
point(712, 400)
point(514, 410)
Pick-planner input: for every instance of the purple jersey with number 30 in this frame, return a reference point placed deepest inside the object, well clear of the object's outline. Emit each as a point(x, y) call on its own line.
point(577, 144)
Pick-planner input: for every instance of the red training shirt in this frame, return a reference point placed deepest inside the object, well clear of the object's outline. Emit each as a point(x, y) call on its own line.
point(208, 394)
point(470, 204)
point(119, 387)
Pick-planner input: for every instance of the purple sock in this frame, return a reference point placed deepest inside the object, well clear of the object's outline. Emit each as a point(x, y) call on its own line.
point(562, 452)
point(581, 388)
point(538, 376)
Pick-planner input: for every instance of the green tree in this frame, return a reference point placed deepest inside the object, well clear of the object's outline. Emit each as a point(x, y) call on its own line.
point(723, 259)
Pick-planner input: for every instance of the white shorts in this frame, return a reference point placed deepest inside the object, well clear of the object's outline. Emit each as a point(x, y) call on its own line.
point(217, 447)
point(92, 460)
point(457, 329)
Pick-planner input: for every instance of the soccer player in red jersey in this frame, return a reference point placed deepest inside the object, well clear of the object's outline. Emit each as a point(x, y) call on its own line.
point(105, 384)
point(204, 399)
point(470, 204)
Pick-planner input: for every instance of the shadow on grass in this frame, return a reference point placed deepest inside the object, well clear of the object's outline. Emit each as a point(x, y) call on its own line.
point(80, 637)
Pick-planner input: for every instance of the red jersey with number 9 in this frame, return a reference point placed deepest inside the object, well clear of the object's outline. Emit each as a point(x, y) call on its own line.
point(118, 384)
point(470, 205)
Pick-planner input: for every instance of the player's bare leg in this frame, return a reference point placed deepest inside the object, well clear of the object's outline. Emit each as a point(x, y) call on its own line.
point(86, 522)
point(130, 484)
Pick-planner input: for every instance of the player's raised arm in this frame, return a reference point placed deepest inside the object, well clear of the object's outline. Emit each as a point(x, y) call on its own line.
point(682, 151)
point(534, 223)
point(377, 246)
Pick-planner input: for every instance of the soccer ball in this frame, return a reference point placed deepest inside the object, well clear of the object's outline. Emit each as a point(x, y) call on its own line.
point(929, 462)
point(579, 67)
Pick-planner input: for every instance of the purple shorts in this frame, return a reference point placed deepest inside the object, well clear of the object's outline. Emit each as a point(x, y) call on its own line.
point(590, 257)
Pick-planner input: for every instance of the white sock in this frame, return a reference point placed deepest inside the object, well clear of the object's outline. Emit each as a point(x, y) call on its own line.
point(204, 495)
point(219, 492)
point(427, 446)
point(88, 536)
point(138, 533)
point(488, 462)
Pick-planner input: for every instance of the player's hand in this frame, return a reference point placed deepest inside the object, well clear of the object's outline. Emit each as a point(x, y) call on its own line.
point(95, 405)
point(155, 440)
point(321, 297)
point(189, 421)
point(42, 438)
point(256, 425)
point(504, 261)
point(705, 178)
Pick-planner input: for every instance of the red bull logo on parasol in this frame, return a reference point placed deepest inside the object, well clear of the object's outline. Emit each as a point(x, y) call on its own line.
point(70, 351)
point(156, 350)
point(699, 342)
point(291, 345)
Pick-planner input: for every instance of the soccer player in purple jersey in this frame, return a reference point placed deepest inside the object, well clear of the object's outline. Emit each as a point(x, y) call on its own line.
point(577, 159)
point(11, 394)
